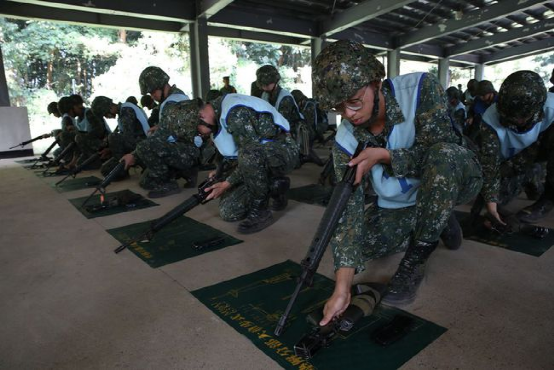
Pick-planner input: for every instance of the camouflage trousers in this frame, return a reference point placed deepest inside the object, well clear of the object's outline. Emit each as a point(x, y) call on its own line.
point(258, 165)
point(163, 160)
point(119, 146)
point(451, 176)
point(529, 169)
point(65, 138)
point(88, 146)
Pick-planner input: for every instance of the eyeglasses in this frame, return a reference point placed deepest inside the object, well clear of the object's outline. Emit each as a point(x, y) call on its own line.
point(352, 104)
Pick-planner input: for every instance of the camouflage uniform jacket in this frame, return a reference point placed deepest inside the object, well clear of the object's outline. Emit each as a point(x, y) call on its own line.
point(176, 123)
point(228, 90)
point(67, 123)
point(130, 127)
point(287, 108)
point(495, 166)
point(432, 125)
point(154, 118)
point(172, 90)
point(97, 128)
point(248, 127)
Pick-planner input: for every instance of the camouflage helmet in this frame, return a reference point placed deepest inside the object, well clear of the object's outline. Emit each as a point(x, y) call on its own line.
point(213, 94)
point(266, 75)
point(341, 69)
point(298, 96)
point(101, 106)
point(453, 93)
point(152, 78)
point(53, 108)
point(485, 87)
point(521, 95)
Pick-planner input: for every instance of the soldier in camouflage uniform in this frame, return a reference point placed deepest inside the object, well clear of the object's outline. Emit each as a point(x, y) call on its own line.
point(133, 128)
point(415, 162)
point(249, 131)
point(485, 96)
point(311, 112)
point(66, 135)
point(267, 78)
point(456, 109)
point(147, 102)
point(169, 151)
point(227, 88)
point(517, 133)
point(92, 136)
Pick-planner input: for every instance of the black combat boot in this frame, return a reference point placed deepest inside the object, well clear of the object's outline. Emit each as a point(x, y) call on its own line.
point(403, 286)
point(278, 192)
point(539, 209)
point(258, 218)
point(191, 177)
point(452, 236)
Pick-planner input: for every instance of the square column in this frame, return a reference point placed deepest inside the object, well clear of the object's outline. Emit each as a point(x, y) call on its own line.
point(444, 74)
point(199, 58)
point(479, 72)
point(4, 93)
point(393, 63)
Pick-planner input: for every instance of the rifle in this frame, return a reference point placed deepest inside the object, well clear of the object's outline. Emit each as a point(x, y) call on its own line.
point(60, 156)
point(327, 172)
point(175, 213)
point(107, 181)
point(362, 305)
point(22, 144)
point(325, 230)
point(43, 156)
point(74, 172)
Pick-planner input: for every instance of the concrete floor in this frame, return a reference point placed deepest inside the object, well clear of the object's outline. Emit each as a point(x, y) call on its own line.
point(68, 302)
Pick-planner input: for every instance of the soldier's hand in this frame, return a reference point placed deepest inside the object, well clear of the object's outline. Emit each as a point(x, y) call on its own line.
point(368, 158)
point(211, 174)
point(217, 189)
point(105, 153)
point(152, 130)
point(335, 306)
point(129, 160)
point(469, 121)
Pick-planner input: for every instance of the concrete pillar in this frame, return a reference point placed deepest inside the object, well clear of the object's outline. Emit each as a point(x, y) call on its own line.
point(317, 44)
point(4, 93)
point(479, 71)
point(393, 63)
point(199, 57)
point(444, 78)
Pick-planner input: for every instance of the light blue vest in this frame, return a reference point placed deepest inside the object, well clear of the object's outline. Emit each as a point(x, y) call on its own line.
point(223, 140)
point(82, 124)
point(392, 192)
point(512, 142)
point(282, 94)
point(177, 97)
point(310, 104)
point(141, 116)
point(67, 115)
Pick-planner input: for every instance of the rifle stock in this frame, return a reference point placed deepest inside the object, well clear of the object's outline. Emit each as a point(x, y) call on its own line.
point(325, 230)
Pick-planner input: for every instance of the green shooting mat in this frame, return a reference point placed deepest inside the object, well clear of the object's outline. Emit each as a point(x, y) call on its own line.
point(517, 241)
point(311, 194)
point(27, 161)
point(175, 242)
point(126, 201)
point(77, 184)
point(252, 304)
point(50, 173)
